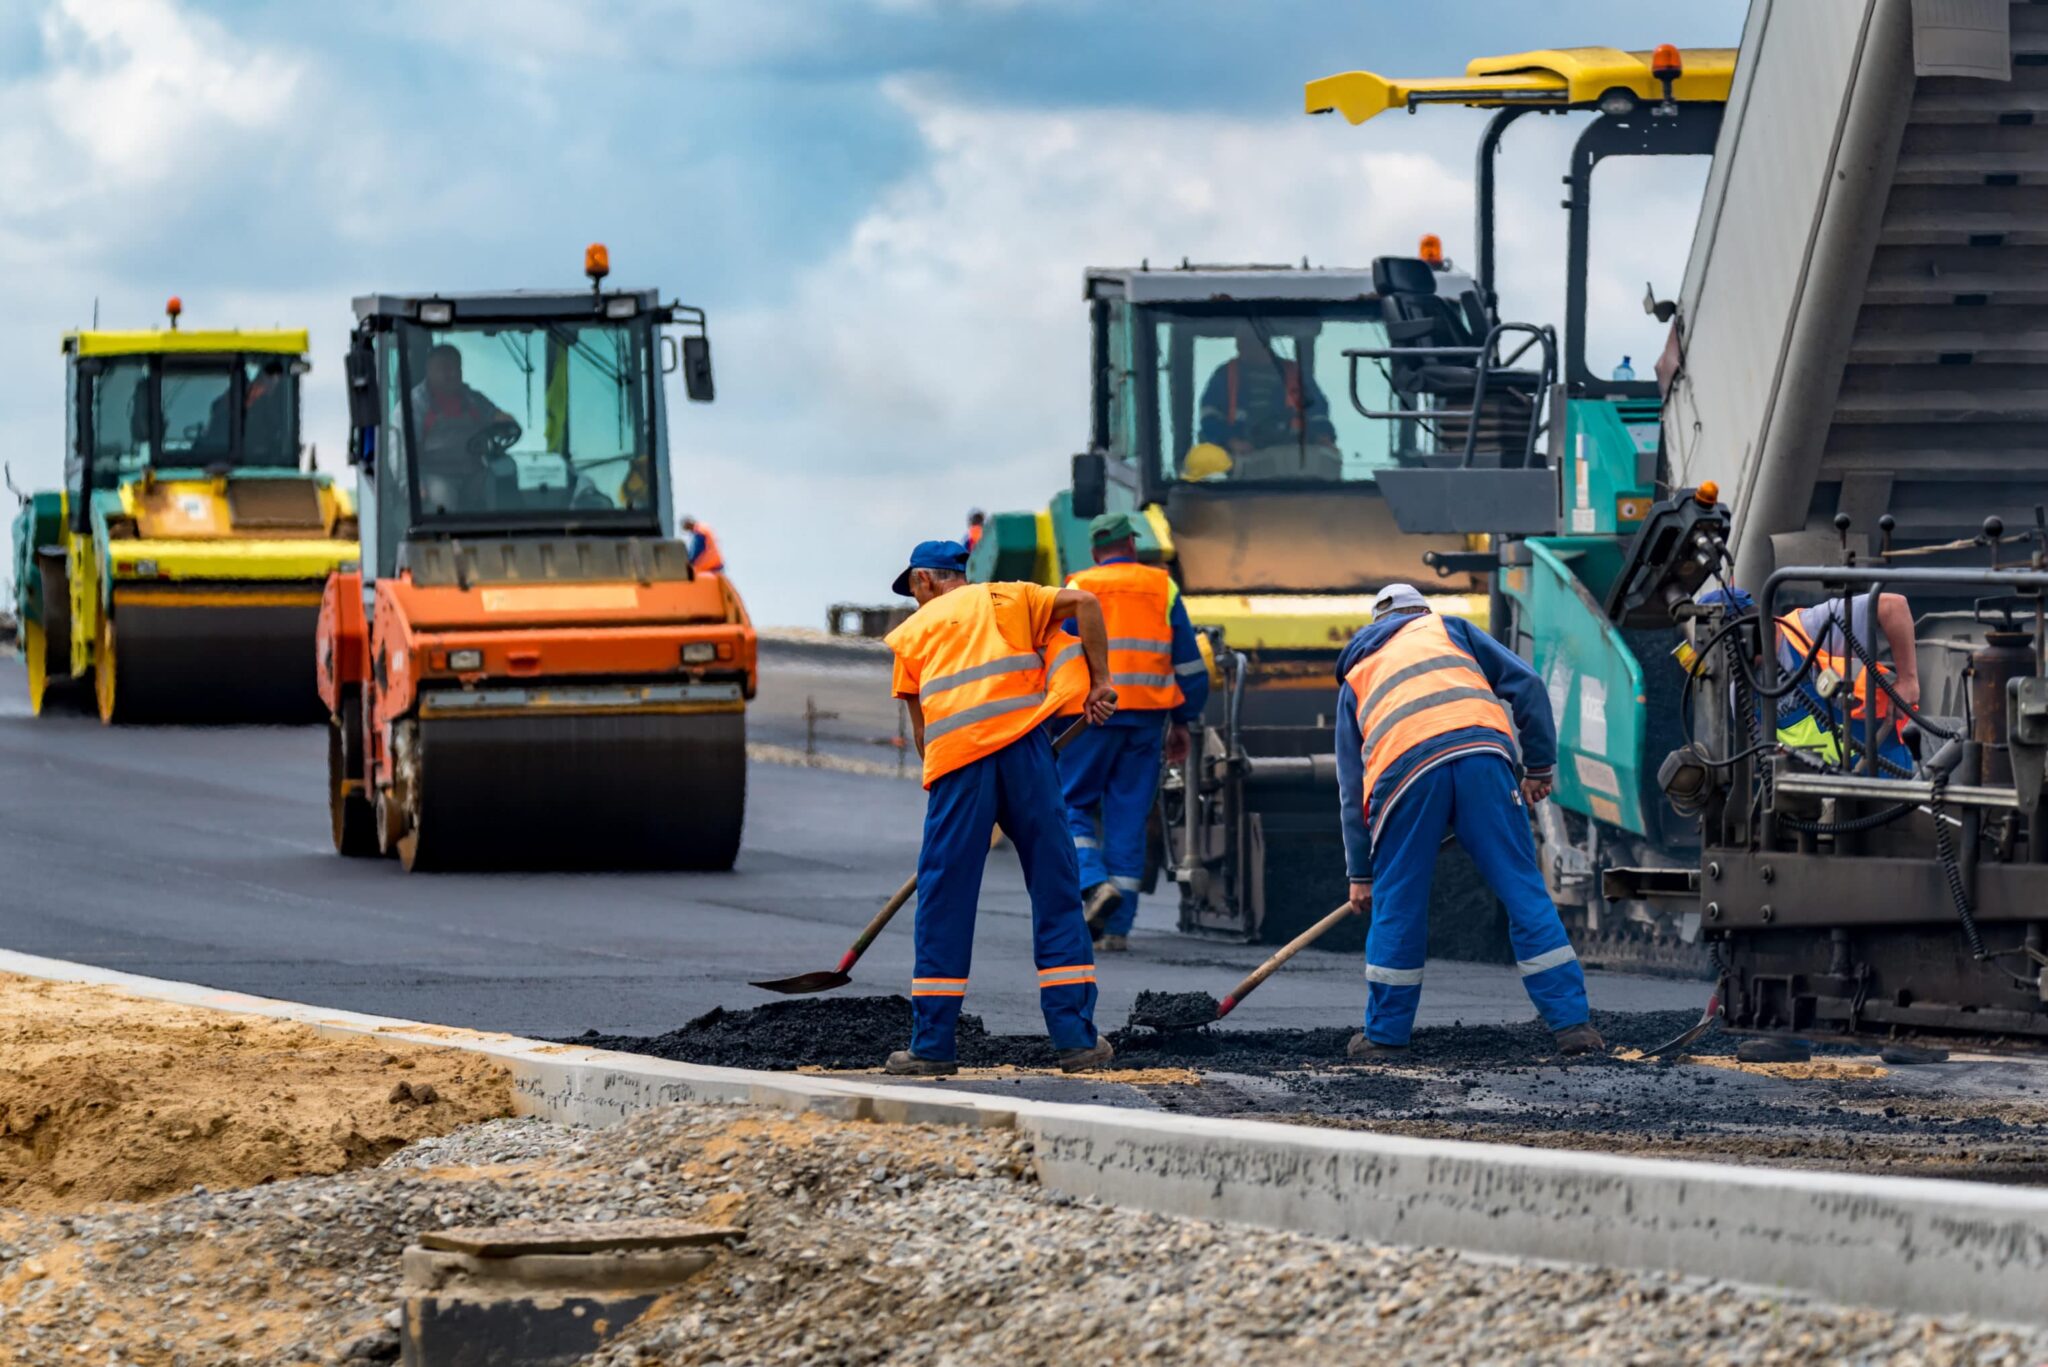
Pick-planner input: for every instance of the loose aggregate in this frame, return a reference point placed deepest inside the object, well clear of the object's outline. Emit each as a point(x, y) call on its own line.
point(867, 1244)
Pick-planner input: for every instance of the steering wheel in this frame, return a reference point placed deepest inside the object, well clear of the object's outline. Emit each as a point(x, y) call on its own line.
point(494, 438)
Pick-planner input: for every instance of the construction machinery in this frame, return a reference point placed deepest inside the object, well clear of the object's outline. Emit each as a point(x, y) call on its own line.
point(526, 670)
point(1562, 522)
point(1871, 403)
point(1220, 410)
point(177, 573)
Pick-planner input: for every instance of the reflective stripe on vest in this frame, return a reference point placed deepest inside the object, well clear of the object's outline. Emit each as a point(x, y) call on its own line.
point(1794, 632)
point(1417, 686)
point(1136, 600)
point(977, 690)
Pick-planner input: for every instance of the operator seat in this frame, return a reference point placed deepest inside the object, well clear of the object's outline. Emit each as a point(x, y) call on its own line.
point(1417, 316)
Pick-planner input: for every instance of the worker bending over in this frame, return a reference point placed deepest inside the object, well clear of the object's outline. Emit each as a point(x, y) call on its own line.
point(705, 557)
point(1423, 747)
point(1110, 773)
point(1809, 721)
point(980, 667)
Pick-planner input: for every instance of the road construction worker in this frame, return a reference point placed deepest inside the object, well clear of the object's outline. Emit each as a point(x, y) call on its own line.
point(705, 557)
point(1809, 721)
point(1110, 773)
point(1424, 747)
point(980, 667)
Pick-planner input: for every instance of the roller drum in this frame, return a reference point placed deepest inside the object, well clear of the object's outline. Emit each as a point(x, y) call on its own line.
point(611, 790)
point(231, 663)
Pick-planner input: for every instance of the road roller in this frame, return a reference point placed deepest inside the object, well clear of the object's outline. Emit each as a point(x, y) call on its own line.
point(177, 573)
point(525, 670)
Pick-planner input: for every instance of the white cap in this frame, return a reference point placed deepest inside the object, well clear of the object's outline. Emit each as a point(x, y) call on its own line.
point(1395, 596)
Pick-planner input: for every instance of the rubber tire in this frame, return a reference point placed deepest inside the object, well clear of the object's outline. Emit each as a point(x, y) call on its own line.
point(353, 822)
point(106, 674)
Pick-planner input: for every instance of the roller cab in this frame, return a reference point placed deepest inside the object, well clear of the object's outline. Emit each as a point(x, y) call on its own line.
point(526, 671)
point(178, 573)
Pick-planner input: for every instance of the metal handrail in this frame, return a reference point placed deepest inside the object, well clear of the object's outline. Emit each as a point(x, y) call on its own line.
point(1488, 356)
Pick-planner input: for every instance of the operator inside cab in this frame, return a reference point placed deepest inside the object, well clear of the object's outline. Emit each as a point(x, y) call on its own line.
point(1259, 399)
point(449, 418)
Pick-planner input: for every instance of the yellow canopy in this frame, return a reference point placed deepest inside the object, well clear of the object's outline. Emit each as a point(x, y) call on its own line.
point(1555, 78)
point(154, 341)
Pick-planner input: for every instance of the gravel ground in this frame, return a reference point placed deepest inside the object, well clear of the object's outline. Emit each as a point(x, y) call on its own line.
point(866, 1244)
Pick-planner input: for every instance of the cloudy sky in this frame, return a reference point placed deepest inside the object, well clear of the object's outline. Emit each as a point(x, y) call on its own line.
point(885, 204)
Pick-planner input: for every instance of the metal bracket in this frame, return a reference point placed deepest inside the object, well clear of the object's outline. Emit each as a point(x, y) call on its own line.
point(2026, 711)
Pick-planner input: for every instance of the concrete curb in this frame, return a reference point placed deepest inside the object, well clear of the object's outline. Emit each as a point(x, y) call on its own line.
point(1921, 1245)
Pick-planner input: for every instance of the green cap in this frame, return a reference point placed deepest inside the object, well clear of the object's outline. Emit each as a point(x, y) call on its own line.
point(1110, 527)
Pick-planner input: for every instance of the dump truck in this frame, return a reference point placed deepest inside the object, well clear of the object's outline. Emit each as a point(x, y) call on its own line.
point(1561, 523)
point(525, 670)
point(1222, 412)
point(177, 573)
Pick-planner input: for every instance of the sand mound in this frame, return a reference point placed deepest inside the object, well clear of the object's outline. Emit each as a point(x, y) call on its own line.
point(105, 1097)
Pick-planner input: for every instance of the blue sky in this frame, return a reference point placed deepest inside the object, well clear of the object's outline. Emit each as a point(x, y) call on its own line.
point(885, 204)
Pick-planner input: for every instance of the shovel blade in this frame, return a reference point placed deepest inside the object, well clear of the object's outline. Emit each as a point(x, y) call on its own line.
point(805, 982)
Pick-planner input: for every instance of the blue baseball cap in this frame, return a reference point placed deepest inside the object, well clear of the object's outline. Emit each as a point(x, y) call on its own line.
point(932, 555)
point(1737, 599)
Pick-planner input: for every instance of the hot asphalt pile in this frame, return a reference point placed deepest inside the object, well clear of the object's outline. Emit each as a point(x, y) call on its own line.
point(1503, 1083)
point(865, 1243)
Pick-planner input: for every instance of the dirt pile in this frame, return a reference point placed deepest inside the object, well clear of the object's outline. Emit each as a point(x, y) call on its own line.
point(105, 1097)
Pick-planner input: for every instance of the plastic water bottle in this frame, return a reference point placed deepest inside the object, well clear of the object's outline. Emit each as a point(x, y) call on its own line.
point(1624, 372)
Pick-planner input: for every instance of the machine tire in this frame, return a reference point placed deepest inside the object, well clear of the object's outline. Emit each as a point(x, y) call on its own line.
point(106, 675)
point(351, 816)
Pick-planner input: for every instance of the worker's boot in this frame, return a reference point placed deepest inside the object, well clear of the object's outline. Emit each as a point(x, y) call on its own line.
point(1580, 1039)
point(1116, 944)
point(903, 1063)
point(1100, 903)
point(1095, 1056)
point(1361, 1049)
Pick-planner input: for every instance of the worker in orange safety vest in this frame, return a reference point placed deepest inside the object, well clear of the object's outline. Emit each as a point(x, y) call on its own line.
point(705, 557)
point(980, 668)
point(1424, 748)
point(1111, 773)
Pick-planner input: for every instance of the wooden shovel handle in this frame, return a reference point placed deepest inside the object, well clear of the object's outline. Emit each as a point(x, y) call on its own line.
point(1281, 956)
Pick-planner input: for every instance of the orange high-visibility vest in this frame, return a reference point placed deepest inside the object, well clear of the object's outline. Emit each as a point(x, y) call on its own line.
point(1861, 688)
point(708, 558)
point(982, 682)
point(1135, 602)
point(1416, 687)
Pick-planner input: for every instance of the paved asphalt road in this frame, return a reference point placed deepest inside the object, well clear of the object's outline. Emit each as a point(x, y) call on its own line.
point(202, 854)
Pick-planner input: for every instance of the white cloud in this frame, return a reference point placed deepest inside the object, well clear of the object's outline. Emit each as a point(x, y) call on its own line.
point(937, 359)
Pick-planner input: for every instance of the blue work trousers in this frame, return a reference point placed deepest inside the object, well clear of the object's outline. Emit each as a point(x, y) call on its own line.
point(1477, 797)
point(1018, 788)
point(1110, 775)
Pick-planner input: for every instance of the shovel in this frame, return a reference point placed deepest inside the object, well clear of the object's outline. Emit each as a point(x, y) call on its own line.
point(1700, 1027)
point(1252, 979)
point(804, 983)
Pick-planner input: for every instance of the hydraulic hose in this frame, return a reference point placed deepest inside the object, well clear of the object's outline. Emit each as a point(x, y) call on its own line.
point(1945, 852)
point(1869, 821)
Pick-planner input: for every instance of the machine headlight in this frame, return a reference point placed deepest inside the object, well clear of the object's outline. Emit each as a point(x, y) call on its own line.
point(146, 568)
point(464, 660)
point(438, 313)
point(621, 308)
point(699, 652)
